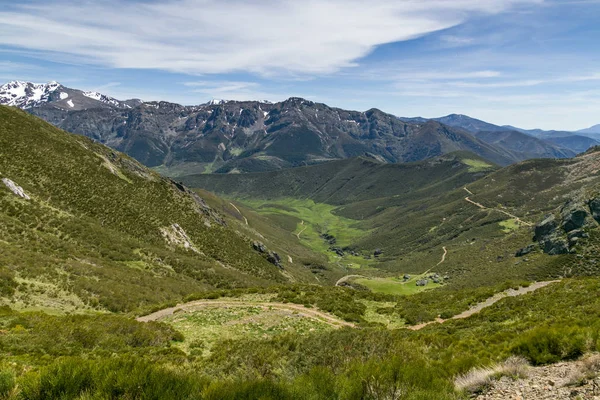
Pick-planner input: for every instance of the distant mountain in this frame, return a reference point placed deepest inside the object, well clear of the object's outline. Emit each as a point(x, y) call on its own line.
point(242, 136)
point(593, 129)
point(460, 121)
point(560, 142)
point(250, 136)
point(527, 146)
point(27, 95)
point(577, 143)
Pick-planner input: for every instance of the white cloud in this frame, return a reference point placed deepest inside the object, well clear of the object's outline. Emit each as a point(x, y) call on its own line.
point(232, 90)
point(216, 36)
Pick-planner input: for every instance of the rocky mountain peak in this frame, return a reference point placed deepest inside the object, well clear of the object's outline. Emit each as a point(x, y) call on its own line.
point(26, 94)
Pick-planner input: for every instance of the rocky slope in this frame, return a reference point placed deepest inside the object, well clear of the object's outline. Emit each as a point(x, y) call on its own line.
point(232, 136)
point(561, 381)
point(253, 136)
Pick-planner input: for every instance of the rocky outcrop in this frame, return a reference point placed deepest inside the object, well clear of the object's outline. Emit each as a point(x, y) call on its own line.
point(16, 189)
point(525, 250)
point(561, 236)
point(271, 256)
point(594, 206)
point(550, 237)
point(274, 259)
point(573, 215)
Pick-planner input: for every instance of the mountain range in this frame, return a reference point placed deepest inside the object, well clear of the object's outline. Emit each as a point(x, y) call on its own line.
point(250, 136)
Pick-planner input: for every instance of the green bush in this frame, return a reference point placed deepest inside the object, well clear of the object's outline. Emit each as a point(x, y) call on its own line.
point(545, 345)
point(7, 383)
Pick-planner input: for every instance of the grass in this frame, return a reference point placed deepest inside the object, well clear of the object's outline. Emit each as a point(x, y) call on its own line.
point(203, 328)
point(477, 165)
point(510, 225)
point(312, 220)
point(396, 286)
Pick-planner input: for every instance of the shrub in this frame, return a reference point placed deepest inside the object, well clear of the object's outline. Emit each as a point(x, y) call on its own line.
point(545, 345)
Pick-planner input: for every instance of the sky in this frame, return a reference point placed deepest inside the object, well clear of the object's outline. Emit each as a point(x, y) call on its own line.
point(526, 63)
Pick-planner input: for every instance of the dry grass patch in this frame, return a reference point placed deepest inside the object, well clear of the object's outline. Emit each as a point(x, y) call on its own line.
point(478, 380)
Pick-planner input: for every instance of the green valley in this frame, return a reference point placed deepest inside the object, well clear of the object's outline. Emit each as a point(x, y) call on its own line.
point(349, 279)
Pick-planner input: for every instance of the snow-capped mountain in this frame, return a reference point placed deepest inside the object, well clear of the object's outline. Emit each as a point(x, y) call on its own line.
point(103, 98)
point(27, 95)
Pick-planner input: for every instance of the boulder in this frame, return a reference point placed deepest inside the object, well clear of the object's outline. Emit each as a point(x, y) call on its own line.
point(422, 282)
point(555, 245)
point(545, 228)
point(406, 277)
point(573, 216)
point(377, 252)
point(594, 205)
point(274, 259)
point(525, 250)
point(259, 247)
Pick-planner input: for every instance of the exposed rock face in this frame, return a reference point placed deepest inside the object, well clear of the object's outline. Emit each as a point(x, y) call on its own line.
point(550, 237)
point(274, 259)
point(561, 236)
point(573, 216)
point(249, 136)
point(545, 228)
point(16, 189)
point(525, 250)
point(259, 247)
point(594, 205)
point(271, 256)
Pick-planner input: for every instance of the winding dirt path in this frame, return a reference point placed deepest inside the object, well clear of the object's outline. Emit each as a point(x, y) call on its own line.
point(494, 299)
point(300, 309)
point(443, 256)
point(519, 220)
point(303, 229)
point(239, 212)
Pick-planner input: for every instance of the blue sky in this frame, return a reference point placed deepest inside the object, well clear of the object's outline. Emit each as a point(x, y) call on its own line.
point(529, 63)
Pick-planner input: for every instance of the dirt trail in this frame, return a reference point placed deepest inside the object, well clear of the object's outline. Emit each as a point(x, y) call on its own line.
point(519, 220)
point(303, 229)
point(239, 212)
point(443, 256)
point(300, 309)
point(480, 306)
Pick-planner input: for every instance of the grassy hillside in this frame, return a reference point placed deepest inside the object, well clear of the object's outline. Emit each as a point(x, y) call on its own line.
point(348, 181)
point(99, 231)
point(458, 205)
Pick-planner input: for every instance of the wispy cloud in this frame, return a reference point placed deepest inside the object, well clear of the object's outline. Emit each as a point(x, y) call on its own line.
point(212, 36)
point(232, 90)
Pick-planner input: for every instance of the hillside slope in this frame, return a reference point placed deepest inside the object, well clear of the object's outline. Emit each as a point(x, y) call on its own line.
point(454, 215)
point(527, 147)
point(83, 226)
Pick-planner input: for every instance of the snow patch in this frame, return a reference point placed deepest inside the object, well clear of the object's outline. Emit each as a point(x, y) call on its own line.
point(102, 98)
point(16, 189)
point(63, 95)
point(26, 94)
point(70, 103)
